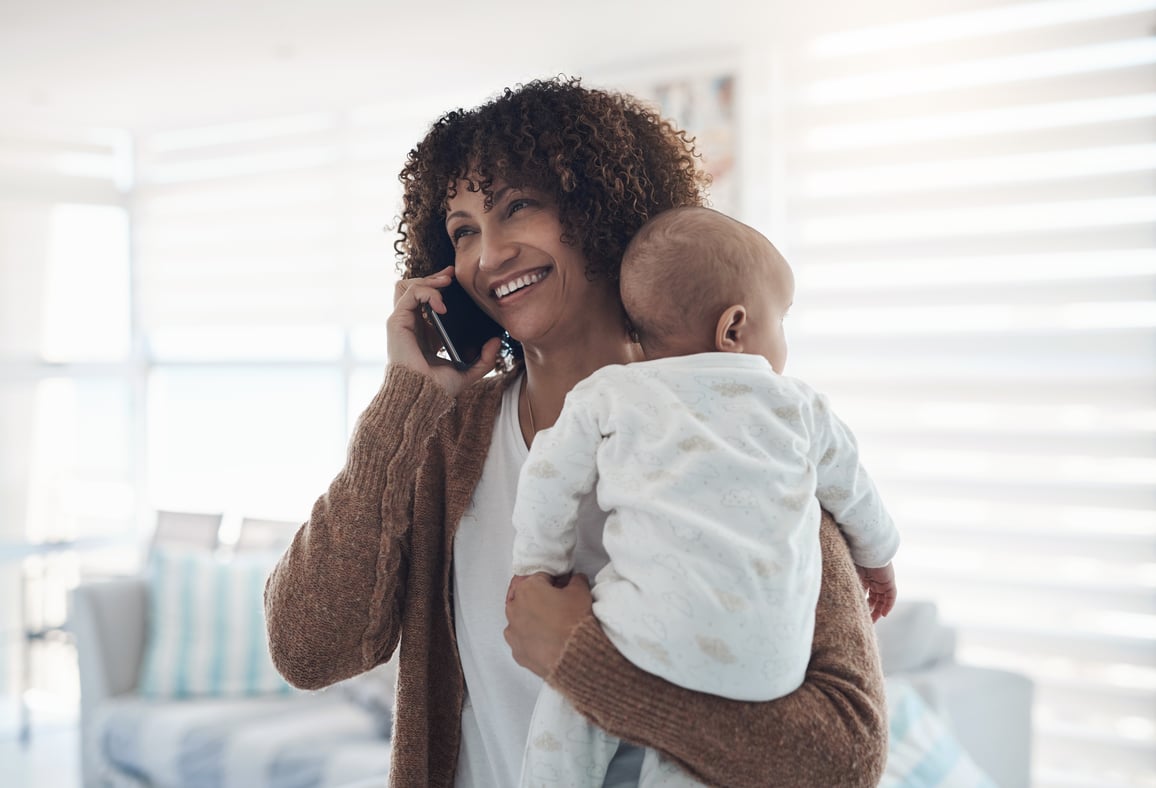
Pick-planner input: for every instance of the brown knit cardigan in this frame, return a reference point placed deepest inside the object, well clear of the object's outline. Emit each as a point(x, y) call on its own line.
point(372, 565)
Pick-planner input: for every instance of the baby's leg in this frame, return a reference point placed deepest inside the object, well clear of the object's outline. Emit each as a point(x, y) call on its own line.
point(563, 749)
point(659, 771)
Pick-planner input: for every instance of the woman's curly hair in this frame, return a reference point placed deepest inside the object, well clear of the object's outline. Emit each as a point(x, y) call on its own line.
point(609, 161)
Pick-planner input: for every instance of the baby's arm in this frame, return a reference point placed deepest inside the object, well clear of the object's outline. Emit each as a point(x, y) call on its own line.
point(847, 492)
point(560, 470)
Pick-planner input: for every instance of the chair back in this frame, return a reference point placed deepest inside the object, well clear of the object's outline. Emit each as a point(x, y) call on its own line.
point(257, 534)
point(186, 530)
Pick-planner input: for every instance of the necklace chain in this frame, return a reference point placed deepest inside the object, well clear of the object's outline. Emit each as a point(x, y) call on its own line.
point(530, 408)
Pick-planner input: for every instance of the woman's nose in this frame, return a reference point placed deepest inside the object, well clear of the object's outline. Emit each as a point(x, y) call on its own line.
point(496, 251)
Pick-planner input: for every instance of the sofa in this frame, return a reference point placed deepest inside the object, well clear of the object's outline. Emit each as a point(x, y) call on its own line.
point(950, 724)
point(177, 688)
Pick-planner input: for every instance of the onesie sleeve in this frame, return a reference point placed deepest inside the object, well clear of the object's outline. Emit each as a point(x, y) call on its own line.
point(846, 491)
point(560, 471)
point(333, 602)
point(830, 731)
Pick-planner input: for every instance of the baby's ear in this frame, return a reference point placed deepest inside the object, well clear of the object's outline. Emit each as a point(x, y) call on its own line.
point(632, 332)
point(729, 331)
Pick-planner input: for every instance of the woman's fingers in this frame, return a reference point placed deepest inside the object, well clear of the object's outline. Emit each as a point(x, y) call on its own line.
point(423, 289)
point(515, 581)
point(413, 342)
point(410, 339)
point(480, 368)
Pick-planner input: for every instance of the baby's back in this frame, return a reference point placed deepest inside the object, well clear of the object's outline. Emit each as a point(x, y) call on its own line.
point(713, 532)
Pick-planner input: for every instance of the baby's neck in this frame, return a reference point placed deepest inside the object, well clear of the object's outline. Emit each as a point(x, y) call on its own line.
point(675, 346)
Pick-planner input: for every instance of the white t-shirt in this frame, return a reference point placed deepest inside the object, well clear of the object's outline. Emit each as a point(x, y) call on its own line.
point(500, 694)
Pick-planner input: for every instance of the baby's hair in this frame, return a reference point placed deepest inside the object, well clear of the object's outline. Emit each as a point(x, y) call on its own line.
point(682, 269)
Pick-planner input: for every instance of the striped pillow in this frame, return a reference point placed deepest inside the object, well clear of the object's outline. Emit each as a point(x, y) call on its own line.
point(921, 750)
point(206, 633)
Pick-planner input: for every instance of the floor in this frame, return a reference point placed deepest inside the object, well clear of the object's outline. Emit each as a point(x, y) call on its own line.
point(51, 758)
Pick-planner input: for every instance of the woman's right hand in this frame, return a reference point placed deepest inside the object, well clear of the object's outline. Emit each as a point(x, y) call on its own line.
point(412, 342)
point(541, 612)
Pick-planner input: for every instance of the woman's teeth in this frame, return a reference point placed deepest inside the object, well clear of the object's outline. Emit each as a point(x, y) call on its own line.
point(503, 290)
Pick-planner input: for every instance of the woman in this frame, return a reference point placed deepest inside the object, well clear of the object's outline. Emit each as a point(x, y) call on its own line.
point(532, 199)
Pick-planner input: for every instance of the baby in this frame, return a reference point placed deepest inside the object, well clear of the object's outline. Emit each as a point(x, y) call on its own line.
point(713, 469)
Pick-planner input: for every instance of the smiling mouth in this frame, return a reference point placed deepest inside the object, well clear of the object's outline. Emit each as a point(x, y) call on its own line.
point(523, 281)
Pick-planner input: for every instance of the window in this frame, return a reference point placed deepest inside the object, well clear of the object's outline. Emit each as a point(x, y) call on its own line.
point(966, 195)
point(253, 440)
point(67, 470)
point(65, 337)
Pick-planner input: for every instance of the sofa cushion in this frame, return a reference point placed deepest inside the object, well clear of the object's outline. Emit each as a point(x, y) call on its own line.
point(301, 741)
point(206, 627)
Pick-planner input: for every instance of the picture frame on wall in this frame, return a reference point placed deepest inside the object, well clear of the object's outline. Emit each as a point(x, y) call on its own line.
point(700, 95)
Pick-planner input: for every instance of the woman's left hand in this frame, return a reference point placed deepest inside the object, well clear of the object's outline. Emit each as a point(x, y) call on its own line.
point(541, 617)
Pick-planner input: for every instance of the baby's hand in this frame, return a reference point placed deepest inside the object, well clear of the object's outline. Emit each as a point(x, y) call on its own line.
point(880, 587)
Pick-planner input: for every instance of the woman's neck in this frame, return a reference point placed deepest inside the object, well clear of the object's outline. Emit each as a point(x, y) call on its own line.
point(550, 374)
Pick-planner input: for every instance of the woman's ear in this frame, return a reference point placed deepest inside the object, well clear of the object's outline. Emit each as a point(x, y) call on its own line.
point(732, 324)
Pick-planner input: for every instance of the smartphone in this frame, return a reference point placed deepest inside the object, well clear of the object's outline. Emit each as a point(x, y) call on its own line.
point(464, 328)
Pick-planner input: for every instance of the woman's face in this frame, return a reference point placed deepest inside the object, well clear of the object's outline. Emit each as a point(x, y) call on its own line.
point(512, 261)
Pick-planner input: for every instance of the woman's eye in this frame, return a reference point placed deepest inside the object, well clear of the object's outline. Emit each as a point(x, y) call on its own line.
point(517, 205)
point(459, 233)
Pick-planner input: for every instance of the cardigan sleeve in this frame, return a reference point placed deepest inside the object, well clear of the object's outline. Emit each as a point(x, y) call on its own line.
point(830, 731)
point(333, 601)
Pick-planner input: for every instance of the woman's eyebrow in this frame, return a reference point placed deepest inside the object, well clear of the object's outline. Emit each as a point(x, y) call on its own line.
point(497, 197)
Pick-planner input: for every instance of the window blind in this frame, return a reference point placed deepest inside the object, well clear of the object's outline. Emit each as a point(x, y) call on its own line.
point(967, 197)
point(271, 239)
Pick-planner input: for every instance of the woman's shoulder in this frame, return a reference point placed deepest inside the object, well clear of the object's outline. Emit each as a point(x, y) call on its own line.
point(488, 391)
point(476, 404)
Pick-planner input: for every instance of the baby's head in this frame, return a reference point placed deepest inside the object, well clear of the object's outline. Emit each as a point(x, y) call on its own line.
point(695, 281)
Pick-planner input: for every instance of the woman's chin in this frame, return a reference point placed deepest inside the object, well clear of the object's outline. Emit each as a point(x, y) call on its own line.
point(519, 334)
point(524, 329)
